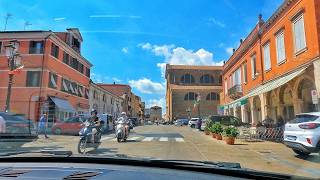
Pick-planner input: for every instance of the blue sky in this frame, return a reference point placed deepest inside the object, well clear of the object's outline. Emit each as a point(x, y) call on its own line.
point(129, 41)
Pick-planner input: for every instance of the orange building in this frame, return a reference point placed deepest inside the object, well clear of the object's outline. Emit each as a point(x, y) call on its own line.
point(55, 77)
point(275, 72)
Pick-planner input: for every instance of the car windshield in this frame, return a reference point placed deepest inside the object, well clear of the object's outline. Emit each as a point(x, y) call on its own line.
point(197, 80)
point(304, 118)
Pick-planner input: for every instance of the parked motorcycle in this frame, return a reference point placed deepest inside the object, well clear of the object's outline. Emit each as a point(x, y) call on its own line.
point(121, 132)
point(86, 137)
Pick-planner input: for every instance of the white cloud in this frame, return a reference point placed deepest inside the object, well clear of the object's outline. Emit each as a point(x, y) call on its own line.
point(147, 86)
point(179, 55)
point(217, 22)
point(229, 50)
point(116, 80)
point(162, 67)
point(99, 78)
point(125, 50)
point(59, 19)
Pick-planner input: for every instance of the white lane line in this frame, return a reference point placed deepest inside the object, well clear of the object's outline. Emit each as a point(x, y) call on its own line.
point(148, 139)
point(106, 138)
point(163, 139)
point(179, 140)
point(133, 138)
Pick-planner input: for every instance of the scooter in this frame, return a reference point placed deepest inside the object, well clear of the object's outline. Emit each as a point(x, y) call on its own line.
point(86, 137)
point(121, 132)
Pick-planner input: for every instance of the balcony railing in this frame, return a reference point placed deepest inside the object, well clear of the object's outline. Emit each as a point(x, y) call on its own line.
point(235, 92)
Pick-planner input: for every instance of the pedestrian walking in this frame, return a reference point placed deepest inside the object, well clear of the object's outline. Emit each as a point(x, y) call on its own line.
point(43, 125)
point(2, 125)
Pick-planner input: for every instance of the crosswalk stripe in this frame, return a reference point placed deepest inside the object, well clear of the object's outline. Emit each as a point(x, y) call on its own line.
point(163, 139)
point(148, 139)
point(133, 138)
point(179, 140)
point(106, 138)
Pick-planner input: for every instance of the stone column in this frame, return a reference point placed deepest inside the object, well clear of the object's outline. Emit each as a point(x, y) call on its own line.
point(316, 71)
point(297, 106)
point(252, 110)
point(235, 111)
point(244, 114)
point(263, 101)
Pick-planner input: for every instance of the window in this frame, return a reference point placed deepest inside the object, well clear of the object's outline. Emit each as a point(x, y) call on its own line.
point(80, 67)
point(281, 52)
point(206, 79)
point(253, 67)
point(299, 33)
point(33, 79)
point(187, 78)
point(245, 78)
point(65, 85)
point(55, 50)
point(236, 77)
point(66, 58)
point(190, 96)
point(104, 97)
point(36, 47)
point(94, 94)
point(53, 78)
point(0, 47)
point(88, 72)
point(86, 94)
point(74, 63)
point(81, 92)
point(213, 96)
point(220, 79)
point(266, 57)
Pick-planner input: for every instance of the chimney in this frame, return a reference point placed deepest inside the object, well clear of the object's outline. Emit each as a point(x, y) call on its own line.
point(114, 82)
point(241, 41)
point(233, 50)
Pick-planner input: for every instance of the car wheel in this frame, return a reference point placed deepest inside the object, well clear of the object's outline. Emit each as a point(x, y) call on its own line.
point(57, 131)
point(301, 153)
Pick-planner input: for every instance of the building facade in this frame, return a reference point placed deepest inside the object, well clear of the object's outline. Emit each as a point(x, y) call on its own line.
point(55, 77)
point(104, 101)
point(275, 72)
point(155, 113)
point(192, 91)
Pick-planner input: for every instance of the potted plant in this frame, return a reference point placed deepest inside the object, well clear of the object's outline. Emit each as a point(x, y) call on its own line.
point(218, 130)
point(213, 132)
point(230, 134)
point(206, 130)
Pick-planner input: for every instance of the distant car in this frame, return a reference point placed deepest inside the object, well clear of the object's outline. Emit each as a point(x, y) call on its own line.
point(71, 125)
point(133, 120)
point(193, 122)
point(181, 122)
point(17, 125)
point(302, 134)
point(203, 124)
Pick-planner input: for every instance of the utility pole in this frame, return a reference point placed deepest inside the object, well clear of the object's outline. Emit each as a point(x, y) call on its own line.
point(26, 24)
point(12, 55)
point(8, 15)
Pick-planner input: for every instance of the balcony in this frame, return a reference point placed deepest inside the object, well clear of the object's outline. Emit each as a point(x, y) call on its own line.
point(235, 92)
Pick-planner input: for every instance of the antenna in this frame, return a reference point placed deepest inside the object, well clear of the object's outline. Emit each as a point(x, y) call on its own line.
point(26, 24)
point(8, 15)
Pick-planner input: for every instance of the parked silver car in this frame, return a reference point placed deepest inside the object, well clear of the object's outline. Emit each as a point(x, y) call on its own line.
point(193, 122)
point(302, 134)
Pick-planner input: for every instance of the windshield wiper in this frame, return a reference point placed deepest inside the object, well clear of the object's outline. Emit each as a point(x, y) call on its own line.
point(63, 153)
point(200, 163)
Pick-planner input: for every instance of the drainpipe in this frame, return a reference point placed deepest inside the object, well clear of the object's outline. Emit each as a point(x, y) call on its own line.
point(260, 23)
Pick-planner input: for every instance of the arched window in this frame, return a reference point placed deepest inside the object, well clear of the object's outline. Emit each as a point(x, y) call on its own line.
point(213, 96)
point(206, 79)
point(190, 96)
point(220, 79)
point(187, 78)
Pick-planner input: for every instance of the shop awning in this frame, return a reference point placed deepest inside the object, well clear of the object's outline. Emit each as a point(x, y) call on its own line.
point(63, 104)
point(266, 87)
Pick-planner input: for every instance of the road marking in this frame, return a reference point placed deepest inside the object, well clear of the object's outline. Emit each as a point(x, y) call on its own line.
point(179, 140)
point(106, 138)
point(133, 138)
point(163, 139)
point(148, 139)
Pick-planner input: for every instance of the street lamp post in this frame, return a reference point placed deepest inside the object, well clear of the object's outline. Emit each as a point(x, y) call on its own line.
point(12, 53)
point(188, 111)
point(198, 102)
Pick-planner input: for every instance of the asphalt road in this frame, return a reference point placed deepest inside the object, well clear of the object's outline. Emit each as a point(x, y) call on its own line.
point(184, 143)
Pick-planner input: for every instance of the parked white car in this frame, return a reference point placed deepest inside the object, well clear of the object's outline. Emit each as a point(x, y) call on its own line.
point(302, 134)
point(193, 122)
